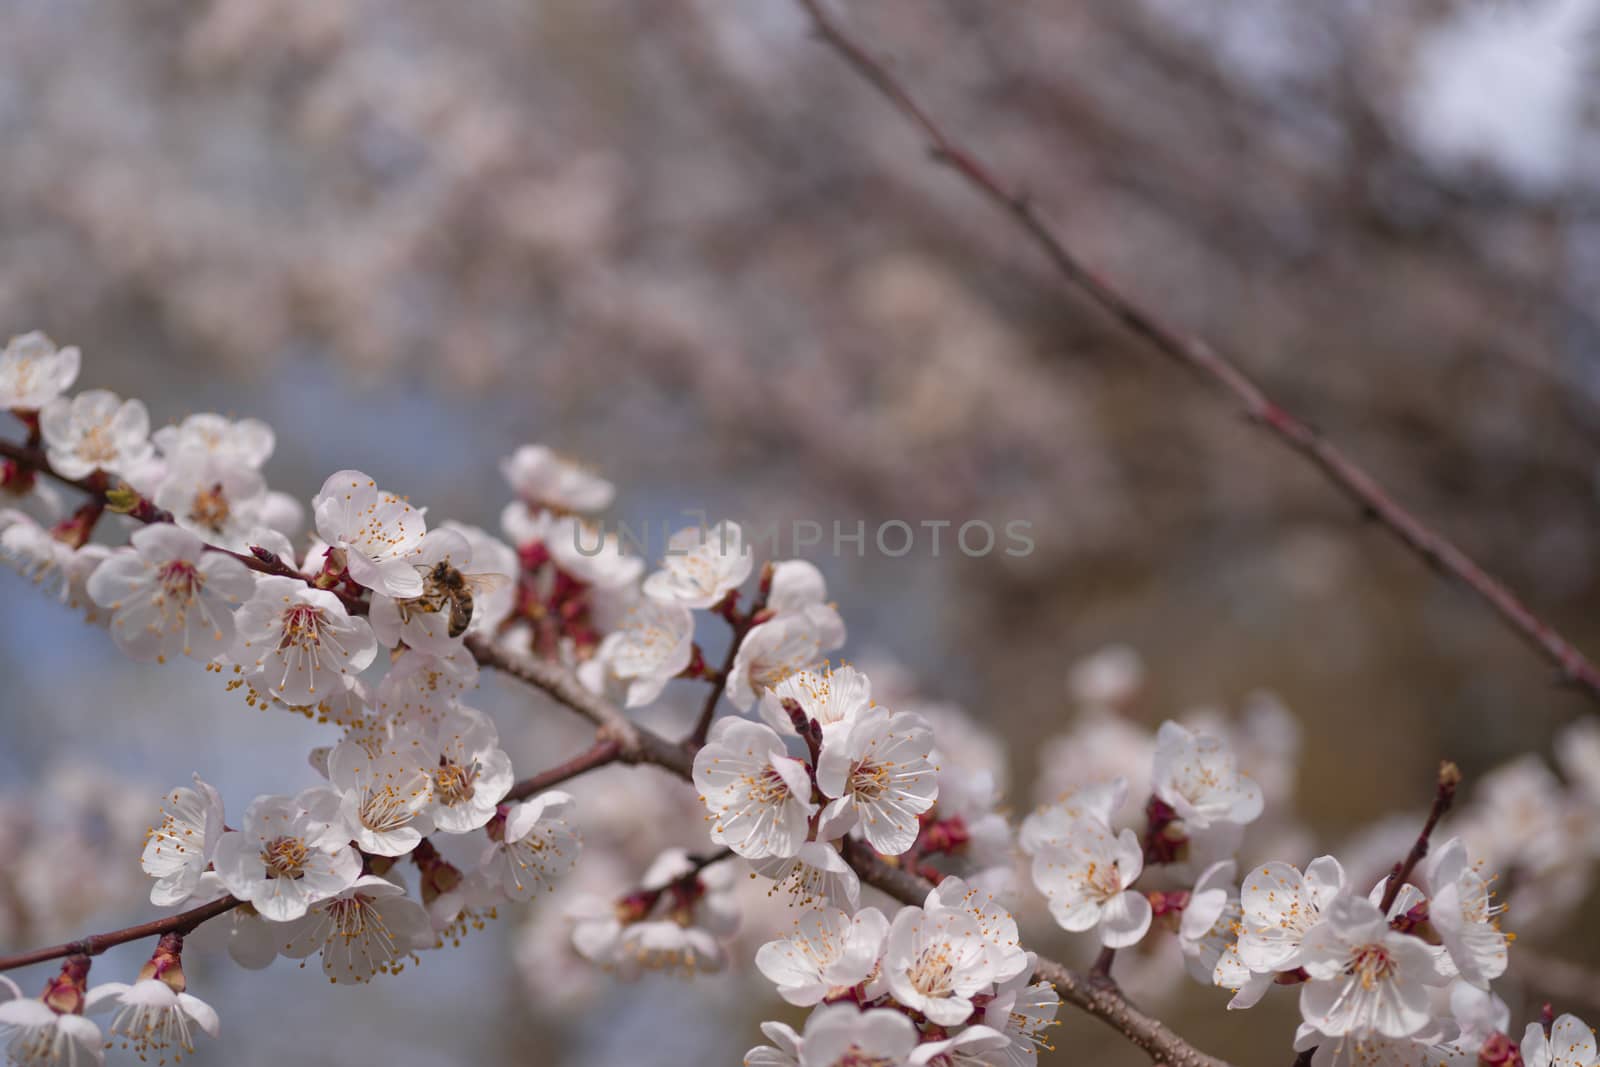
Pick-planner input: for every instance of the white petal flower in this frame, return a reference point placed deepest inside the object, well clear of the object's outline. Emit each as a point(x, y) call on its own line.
point(1365, 977)
point(1462, 911)
point(775, 649)
point(168, 596)
point(544, 478)
point(1375, 1050)
point(378, 531)
point(759, 796)
point(302, 640)
point(34, 372)
point(1023, 1012)
point(842, 1035)
point(1279, 906)
point(835, 698)
point(974, 1046)
point(827, 950)
point(635, 663)
point(680, 929)
point(382, 793)
point(178, 851)
point(815, 876)
point(1210, 922)
point(369, 928)
point(471, 774)
point(588, 554)
point(996, 925)
point(246, 443)
point(420, 687)
point(880, 777)
point(1054, 823)
point(449, 573)
point(221, 502)
point(151, 1016)
point(783, 1052)
point(1570, 1043)
point(536, 846)
point(1197, 776)
point(936, 961)
point(290, 853)
point(96, 430)
point(701, 566)
point(37, 1036)
point(1085, 878)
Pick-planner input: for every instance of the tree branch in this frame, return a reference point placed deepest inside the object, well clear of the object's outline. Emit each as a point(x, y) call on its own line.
point(1195, 354)
point(183, 922)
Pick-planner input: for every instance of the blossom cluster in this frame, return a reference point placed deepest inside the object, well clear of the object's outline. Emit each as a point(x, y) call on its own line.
point(414, 828)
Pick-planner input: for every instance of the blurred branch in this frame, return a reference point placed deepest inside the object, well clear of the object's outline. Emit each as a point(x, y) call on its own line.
point(1195, 354)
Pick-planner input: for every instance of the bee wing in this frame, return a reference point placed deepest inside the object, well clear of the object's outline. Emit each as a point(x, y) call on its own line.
point(486, 583)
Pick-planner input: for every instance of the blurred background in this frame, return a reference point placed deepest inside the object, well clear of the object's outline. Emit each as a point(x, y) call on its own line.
point(678, 239)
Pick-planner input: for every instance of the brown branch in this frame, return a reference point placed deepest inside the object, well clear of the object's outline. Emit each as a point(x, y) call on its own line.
point(560, 683)
point(742, 625)
point(36, 460)
point(183, 922)
point(1444, 794)
point(604, 751)
point(1195, 354)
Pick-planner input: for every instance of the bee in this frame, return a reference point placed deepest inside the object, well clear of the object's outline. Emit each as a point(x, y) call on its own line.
point(446, 589)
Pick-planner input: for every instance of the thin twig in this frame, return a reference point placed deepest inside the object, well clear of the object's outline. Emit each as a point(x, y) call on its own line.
point(742, 625)
point(1295, 434)
point(1444, 794)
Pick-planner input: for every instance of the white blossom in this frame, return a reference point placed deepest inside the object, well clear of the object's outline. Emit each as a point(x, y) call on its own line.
point(935, 961)
point(701, 566)
point(536, 846)
point(1364, 977)
point(1210, 923)
point(635, 663)
point(168, 596)
point(368, 928)
point(290, 853)
point(1086, 875)
point(423, 622)
point(879, 778)
point(301, 640)
point(814, 876)
point(1280, 905)
point(383, 790)
point(826, 950)
point(246, 443)
point(151, 1016)
point(842, 1035)
point(36, 1035)
point(1570, 1043)
point(177, 852)
point(543, 478)
point(1022, 1011)
point(832, 697)
point(224, 502)
point(96, 430)
point(1196, 775)
point(996, 925)
point(471, 774)
point(775, 649)
point(379, 532)
point(1461, 910)
point(758, 795)
point(33, 372)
